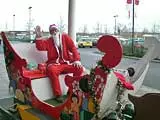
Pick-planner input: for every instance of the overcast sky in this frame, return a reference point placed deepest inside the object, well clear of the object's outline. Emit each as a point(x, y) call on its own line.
point(88, 12)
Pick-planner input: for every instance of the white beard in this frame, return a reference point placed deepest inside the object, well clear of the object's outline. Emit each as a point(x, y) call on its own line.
point(56, 39)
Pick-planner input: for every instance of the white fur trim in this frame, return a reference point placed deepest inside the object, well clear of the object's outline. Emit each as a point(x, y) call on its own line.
point(77, 62)
point(61, 47)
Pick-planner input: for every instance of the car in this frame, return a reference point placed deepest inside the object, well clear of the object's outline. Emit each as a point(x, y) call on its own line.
point(94, 41)
point(82, 43)
point(138, 42)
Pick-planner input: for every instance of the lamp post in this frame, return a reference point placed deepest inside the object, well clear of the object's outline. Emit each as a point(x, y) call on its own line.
point(133, 27)
point(115, 24)
point(14, 22)
point(29, 22)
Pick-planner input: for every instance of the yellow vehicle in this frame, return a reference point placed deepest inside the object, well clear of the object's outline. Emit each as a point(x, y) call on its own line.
point(85, 42)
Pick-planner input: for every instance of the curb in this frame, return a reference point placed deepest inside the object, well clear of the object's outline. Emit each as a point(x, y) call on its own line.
point(136, 58)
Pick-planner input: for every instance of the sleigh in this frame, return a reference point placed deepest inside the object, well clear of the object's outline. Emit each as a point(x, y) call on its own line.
point(91, 96)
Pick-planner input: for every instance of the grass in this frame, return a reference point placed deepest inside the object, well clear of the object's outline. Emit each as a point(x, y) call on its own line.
point(138, 52)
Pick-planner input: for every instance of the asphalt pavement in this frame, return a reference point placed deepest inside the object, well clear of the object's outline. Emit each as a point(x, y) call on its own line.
point(4, 81)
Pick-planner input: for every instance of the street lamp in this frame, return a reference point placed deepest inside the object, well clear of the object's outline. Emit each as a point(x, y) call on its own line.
point(133, 27)
point(29, 22)
point(115, 24)
point(14, 22)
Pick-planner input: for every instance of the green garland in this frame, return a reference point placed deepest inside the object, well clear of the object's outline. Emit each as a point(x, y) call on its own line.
point(121, 90)
point(103, 67)
point(120, 110)
point(91, 86)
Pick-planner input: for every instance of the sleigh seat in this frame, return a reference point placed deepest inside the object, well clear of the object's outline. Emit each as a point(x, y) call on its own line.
point(35, 71)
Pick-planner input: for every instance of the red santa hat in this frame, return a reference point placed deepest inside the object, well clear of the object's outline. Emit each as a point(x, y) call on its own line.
point(53, 26)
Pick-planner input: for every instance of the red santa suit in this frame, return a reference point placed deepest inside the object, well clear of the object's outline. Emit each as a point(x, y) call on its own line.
point(59, 59)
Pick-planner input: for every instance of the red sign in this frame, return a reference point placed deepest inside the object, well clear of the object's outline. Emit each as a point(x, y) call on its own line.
point(137, 2)
point(129, 1)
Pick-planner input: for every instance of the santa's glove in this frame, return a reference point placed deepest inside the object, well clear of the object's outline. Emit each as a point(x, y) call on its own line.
point(77, 64)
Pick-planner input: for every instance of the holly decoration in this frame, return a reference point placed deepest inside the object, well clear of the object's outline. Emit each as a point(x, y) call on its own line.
point(91, 84)
point(112, 116)
point(128, 112)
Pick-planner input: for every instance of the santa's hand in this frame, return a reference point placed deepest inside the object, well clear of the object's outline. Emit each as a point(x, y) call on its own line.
point(38, 31)
point(77, 64)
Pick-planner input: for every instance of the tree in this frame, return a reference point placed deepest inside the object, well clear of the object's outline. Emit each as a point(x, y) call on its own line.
point(98, 28)
point(105, 28)
point(124, 28)
point(30, 25)
point(155, 28)
point(145, 30)
point(61, 25)
point(83, 29)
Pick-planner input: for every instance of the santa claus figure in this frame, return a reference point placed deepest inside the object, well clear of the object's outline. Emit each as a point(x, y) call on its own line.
point(63, 57)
